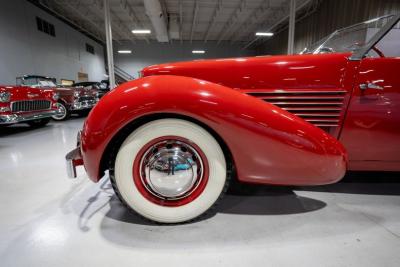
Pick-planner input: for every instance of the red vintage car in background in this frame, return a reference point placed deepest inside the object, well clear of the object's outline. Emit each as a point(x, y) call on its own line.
point(26, 104)
point(72, 99)
point(173, 139)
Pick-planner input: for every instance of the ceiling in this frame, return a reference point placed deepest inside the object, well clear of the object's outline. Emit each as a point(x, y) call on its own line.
point(192, 20)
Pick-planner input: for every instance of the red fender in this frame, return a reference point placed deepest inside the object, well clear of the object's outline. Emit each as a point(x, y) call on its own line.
point(268, 144)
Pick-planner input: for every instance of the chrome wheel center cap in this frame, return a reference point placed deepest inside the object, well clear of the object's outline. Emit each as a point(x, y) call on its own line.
point(60, 111)
point(171, 169)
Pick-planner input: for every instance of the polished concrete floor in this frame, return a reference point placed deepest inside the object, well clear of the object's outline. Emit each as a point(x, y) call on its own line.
point(48, 220)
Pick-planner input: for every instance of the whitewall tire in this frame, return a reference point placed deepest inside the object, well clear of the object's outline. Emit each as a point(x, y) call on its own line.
point(170, 171)
point(62, 112)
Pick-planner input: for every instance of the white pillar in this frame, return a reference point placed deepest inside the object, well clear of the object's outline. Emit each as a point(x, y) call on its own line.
point(292, 20)
point(110, 58)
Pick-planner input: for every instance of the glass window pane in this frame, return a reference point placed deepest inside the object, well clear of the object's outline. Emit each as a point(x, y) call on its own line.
point(389, 45)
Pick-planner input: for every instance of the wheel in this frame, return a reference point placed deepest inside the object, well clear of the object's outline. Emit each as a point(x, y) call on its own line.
point(170, 171)
point(62, 112)
point(38, 123)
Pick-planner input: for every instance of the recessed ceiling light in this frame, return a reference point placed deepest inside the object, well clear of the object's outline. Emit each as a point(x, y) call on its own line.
point(264, 33)
point(141, 31)
point(198, 51)
point(124, 51)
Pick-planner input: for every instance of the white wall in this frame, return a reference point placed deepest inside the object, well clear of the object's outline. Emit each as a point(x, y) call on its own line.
point(25, 50)
point(149, 54)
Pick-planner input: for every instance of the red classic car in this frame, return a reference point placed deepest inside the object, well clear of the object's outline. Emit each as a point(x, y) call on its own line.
point(26, 104)
point(101, 87)
point(72, 99)
point(173, 140)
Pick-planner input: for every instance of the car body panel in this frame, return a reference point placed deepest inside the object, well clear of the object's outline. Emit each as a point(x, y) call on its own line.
point(264, 72)
point(371, 131)
point(280, 80)
point(268, 144)
point(368, 119)
point(24, 94)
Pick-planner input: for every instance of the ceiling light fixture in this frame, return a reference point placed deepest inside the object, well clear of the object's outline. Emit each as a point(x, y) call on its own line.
point(198, 51)
point(124, 51)
point(264, 34)
point(141, 31)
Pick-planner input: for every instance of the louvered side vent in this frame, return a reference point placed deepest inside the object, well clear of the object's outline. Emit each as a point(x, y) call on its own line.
point(319, 107)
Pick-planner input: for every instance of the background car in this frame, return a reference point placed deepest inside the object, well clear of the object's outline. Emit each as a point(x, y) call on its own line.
point(72, 99)
point(22, 104)
point(102, 87)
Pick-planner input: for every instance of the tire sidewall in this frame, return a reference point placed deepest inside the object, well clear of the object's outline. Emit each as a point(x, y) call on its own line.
point(170, 127)
point(66, 113)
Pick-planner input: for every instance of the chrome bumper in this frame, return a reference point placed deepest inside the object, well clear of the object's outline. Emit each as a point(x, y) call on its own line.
point(83, 105)
point(73, 159)
point(15, 118)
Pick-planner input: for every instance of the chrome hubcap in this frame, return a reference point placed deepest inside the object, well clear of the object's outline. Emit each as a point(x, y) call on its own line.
point(171, 169)
point(61, 111)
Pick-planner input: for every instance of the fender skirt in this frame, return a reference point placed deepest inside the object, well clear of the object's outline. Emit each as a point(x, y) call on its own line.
point(268, 145)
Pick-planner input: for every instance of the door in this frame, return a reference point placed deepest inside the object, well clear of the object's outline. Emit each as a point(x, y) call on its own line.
point(371, 132)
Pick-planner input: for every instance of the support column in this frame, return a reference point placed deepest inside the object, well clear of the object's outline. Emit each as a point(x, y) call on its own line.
point(110, 56)
point(292, 20)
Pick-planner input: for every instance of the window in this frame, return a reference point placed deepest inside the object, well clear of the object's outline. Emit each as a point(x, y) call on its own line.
point(45, 27)
point(90, 48)
point(388, 46)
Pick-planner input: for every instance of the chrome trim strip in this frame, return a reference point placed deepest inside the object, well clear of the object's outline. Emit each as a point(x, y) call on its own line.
point(70, 159)
point(16, 118)
point(83, 105)
point(71, 170)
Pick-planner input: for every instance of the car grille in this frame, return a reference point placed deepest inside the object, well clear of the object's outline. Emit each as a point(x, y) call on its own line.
point(319, 107)
point(86, 98)
point(30, 105)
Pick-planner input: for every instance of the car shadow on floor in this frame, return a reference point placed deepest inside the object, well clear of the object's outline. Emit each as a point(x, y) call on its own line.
point(250, 200)
point(18, 129)
point(252, 212)
point(361, 182)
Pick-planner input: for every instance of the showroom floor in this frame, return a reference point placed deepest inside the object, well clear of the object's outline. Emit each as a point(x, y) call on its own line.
point(48, 220)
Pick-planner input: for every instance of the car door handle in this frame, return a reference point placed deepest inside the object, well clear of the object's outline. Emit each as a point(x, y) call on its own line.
point(365, 86)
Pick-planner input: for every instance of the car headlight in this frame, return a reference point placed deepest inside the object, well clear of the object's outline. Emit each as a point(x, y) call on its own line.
point(76, 94)
point(5, 97)
point(56, 96)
